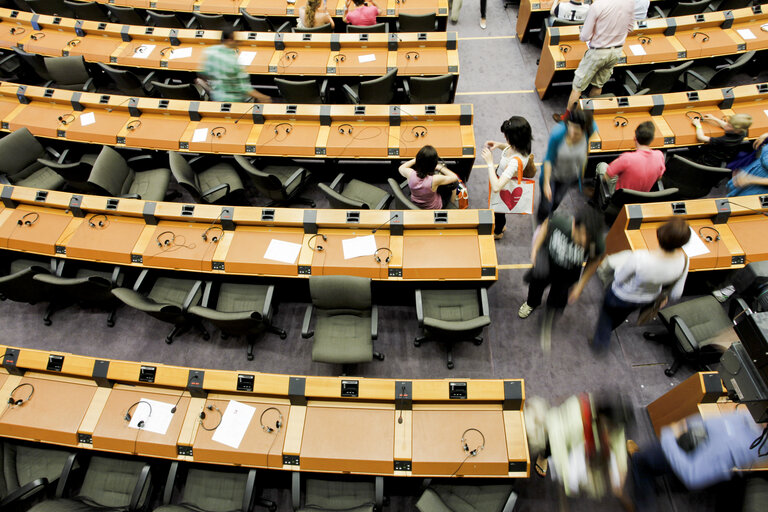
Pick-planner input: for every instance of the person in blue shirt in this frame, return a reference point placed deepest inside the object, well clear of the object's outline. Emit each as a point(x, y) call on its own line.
point(698, 451)
point(752, 179)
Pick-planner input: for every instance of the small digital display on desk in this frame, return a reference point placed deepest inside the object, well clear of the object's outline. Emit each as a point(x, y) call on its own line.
point(457, 390)
point(147, 374)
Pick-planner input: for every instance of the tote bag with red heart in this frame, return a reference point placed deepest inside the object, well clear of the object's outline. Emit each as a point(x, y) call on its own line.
point(517, 195)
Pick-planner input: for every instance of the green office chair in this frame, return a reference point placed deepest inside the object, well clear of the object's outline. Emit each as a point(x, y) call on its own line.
point(112, 175)
point(216, 184)
point(18, 282)
point(126, 15)
point(347, 321)
point(654, 81)
point(337, 493)
point(50, 8)
point(452, 315)
point(693, 179)
point(615, 202)
point(429, 90)
point(303, 91)
point(110, 483)
point(127, 82)
point(167, 299)
point(322, 29)
point(91, 11)
point(69, 73)
point(20, 163)
point(239, 309)
point(710, 77)
point(417, 22)
point(368, 29)
point(26, 472)
point(280, 183)
point(401, 199)
point(354, 194)
point(211, 489)
point(379, 90)
point(466, 497)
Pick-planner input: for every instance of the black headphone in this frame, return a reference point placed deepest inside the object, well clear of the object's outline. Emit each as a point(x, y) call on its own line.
point(622, 123)
point(340, 58)
point(22, 222)
point(167, 241)
point(17, 30)
point(100, 223)
point(348, 130)
point(565, 48)
point(37, 35)
point(278, 423)
point(376, 254)
point(318, 247)
point(20, 401)
point(290, 55)
point(696, 115)
point(133, 125)
point(127, 416)
point(66, 119)
point(708, 238)
point(465, 446)
point(288, 127)
point(644, 39)
point(703, 39)
point(419, 133)
point(214, 238)
point(211, 407)
point(411, 53)
point(218, 132)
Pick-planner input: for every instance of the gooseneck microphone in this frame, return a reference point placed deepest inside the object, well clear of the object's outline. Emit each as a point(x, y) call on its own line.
point(402, 396)
point(245, 113)
point(746, 207)
point(173, 409)
point(385, 223)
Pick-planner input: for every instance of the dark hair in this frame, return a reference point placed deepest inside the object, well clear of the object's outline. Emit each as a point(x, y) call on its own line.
point(592, 222)
point(579, 118)
point(227, 34)
point(644, 133)
point(426, 161)
point(358, 2)
point(673, 234)
point(518, 134)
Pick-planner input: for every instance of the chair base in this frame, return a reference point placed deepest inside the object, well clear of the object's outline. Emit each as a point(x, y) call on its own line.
point(271, 505)
point(477, 340)
point(182, 328)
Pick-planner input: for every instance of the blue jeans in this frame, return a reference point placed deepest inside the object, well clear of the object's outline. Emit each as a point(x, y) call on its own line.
point(612, 314)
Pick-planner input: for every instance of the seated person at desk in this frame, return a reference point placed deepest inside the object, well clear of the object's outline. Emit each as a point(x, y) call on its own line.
point(724, 148)
point(634, 170)
point(425, 175)
point(569, 10)
point(361, 13)
point(752, 179)
point(226, 79)
point(313, 15)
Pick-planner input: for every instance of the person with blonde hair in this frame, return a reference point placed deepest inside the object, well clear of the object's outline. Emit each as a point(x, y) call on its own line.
point(724, 148)
point(314, 15)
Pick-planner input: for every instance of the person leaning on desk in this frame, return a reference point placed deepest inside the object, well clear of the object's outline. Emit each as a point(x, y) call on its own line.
point(362, 14)
point(226, 79)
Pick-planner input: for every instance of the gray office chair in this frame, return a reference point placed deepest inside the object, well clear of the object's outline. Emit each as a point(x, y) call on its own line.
point(303, 91)
point(679, 9)
point(165, 20)
point(126, 15)
point(23, 162)
point(239, 309)
point(452, 315)
point(401, 196)
point(417, 22)
point(112, 175)
point(379, 90)
point(216, 184)
point(429, 90)
point(337, 493)
point(707, 77)
point(18, 284)
point(692, 179)
point(127, 82)
point(322, 29)
point(87, 11)
point(354, 194)
point(655, 81)
point(368, 29)
point(69, 73)
point(33, 65)
point(259, 24)
point(466, 497)
point(167, 299)
point(50, 7)
point(75, 174)
point(346, 321)
point(214, 22)
point(27, 472)
point(178, 91)
point(280, 183)
point(615, 203)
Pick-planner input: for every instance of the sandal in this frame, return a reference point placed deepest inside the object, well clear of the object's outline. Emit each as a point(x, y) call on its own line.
point(500, 235)
point(541, 466)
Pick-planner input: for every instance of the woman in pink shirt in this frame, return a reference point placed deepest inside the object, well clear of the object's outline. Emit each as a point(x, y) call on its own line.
point(361, 13)
point(425, 175)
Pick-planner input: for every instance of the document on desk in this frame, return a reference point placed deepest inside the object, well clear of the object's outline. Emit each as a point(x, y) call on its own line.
point(745, 33)
point(359, 246)
point(282, 251)
point(200, 135)
point(366, 58)
point(637, 49)
point(234, 423)
point(156, 416)
point(87, 119)
point(180, 53)
point(245, 58)
point(695, 246)
point(143, 51)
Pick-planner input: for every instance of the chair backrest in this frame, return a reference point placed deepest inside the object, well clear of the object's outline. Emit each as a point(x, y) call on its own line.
point(215, 490)
point(417, 22)
point(257, 24)
point(661, 81)
point(694, 180)
point(19, 284)
point(20, 149)
point(125, 15)
point(184, 174)
point(559, 22)
point(724, 75)
point(76, 174)
point(368, 29)
point(338, 494)
point(321, 29)
point(50, 7)
point(87, 11)
point(402, 201)
point(686, 8)
point(729, 5)
point(124, 80)
point(111, 174)
point(304, 91)
point(110, 482)
point(431, 90)
point(177, 91)
point(33, 62)
point(625, 196)
point(379, 90)
point(67, 72)
point(339, 201)
point(24, 463)
point(212, 21)
point(268, 185)
point(160, 19)
point(340, 292)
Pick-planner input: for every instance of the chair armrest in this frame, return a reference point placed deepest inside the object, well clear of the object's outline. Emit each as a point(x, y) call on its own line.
point(191, 296)
point(146, 83)
point(190, 22)
point(217, 188)
point(324, 91)
point(419, 309)
point(140, 280)
point(353, 97)
point(284, 26)
point(336, 181)
point(268, 302)
point(141, 162)
point(4, 179)
point(379, 492)
point(138, 490)
point(24, 492)
point(642, 92)
point(130, 196)
point(485, 309)
point(632, 78)
point(65, 474)
point(88, 85)
point(509, 506)
point(56, 154)
point(169, 483)
point(206, 294)
point(374, 322)
point(250, 490)
point(660, 185)
point(658, 12)
point(115, 277)
point(694, 75)
point(305, 332)
point(407, 90)
point(737, 308)
point(383, 203)
point(300, 173)
point(679, 325)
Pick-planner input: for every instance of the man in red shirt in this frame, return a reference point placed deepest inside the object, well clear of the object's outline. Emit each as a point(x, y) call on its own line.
point(634, 170)
point(362, 14)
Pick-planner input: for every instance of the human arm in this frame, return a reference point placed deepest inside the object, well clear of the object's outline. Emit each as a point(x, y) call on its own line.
point(406, 168)
point(697, 469)
point(492, 144)
point(589, 271)
point(744, 179)
point(539, 240)
point(677, 289)
point(259, 97)
point(759, 141)
point(497, 183)
point(556, 138)
point(443, 176)
point(546, 185)
point(381, 11)
point(616, 167)
point(709, 117)
point(588, 29)
point(699, 131)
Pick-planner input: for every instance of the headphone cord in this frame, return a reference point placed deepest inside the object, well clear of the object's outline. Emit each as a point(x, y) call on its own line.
point(202, 417)
point(460, 465)
point(760, 443)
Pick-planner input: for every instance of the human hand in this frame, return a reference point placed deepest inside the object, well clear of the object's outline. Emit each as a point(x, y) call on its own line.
point(487, 155)
point(696, 122)
point(759, 141)
point(709, 117)
point(491, 144)
point(742, 179)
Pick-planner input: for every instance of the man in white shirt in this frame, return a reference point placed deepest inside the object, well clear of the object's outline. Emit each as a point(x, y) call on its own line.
point(569, 10)
point(641, 9)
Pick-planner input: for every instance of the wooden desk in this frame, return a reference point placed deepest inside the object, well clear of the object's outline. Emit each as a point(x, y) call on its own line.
point(658, 40)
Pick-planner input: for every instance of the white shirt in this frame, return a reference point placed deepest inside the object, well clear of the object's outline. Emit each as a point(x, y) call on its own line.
point(570, 11)
point(641, 277)
point(641, 9)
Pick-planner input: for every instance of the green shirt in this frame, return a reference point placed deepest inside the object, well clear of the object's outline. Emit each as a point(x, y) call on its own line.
point(227, 79)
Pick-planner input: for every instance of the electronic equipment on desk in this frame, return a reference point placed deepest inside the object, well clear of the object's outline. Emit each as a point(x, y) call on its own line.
point(751, 283)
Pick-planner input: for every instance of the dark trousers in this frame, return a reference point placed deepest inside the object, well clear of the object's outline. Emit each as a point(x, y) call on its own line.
point(646, 465)
point(546, 207)
point(612, 314)
point(559, 281)
point(499, 221)
point(482, 8)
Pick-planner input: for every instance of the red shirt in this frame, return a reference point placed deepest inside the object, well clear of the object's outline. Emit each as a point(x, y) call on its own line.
point(637, 170)
point(363, 16)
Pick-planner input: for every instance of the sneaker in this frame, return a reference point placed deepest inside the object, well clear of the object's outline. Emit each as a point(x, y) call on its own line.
point(632, 447)
point(723, 294)
point(482, 23)
point(525, 310)
point(500, 235)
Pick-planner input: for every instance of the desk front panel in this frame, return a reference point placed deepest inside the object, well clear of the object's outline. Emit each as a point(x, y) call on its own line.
point(750, 232)
point(440, 254)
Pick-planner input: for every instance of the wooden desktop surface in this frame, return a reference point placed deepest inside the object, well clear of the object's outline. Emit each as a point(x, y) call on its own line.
point(110, 243)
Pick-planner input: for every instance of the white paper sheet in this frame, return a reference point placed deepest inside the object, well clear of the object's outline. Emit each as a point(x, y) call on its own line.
point(233, 425)
point(143, 51)
point(696, 246)
point(180, 53)
point(637, 49)
point(282, 251)
point(765, 112)
point(745, 33)
point(359, 246)
point(88, 118)
point(200, 135)
point(367, 58)
point(245, 58)
point(156, 416)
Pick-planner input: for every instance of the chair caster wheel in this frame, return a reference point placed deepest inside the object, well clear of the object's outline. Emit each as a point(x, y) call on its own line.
point(416, 343)
point(250, 357)
point(110, 323)
point(450, 366)
point(669, 373)
point(206, 336)
point(380, 357)
point(169, 340)
point(283, 335)
point(47, 322)
point(478, 342)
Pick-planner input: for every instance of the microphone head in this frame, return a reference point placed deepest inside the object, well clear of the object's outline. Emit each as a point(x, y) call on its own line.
point(173, 409)
point(400, 419)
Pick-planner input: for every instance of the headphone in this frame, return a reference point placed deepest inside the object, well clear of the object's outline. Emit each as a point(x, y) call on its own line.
point(278, 423)
point(290, 55)
point(419, 133)
point(73, 42)
point(210, 407)
point(348, 130)
point(214, 238)
point(22, 222)
point(318, 247)
point(340, 58)
point(708, 238)
point(410, 54)
point(703, 39)
point(218, 132)
point(465, 446)
point(696, 115)
point(17, 30)
point(133, 125)
point(376, 254)
point(127, 416)
point(644, 39)
point(288, 127)
point(564, 48)
point(162, 52)
point(622, 123)
point(66, 119)
point(100, 223)
point(20, 401)
point(37, 35)
point(167, 241)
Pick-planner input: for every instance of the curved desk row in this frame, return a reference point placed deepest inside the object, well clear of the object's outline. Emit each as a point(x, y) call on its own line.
point(659, 40)
point(739, 239)
point(671, 114)
point(452, 245)
point(376, 132)
point(329, 424)
point(261, 53)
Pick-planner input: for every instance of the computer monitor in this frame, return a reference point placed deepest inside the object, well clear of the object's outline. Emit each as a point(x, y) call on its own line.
point(743, 381)
point(752, 329)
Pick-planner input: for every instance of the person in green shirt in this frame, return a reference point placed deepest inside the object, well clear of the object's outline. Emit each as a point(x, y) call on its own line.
point(225, 76)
